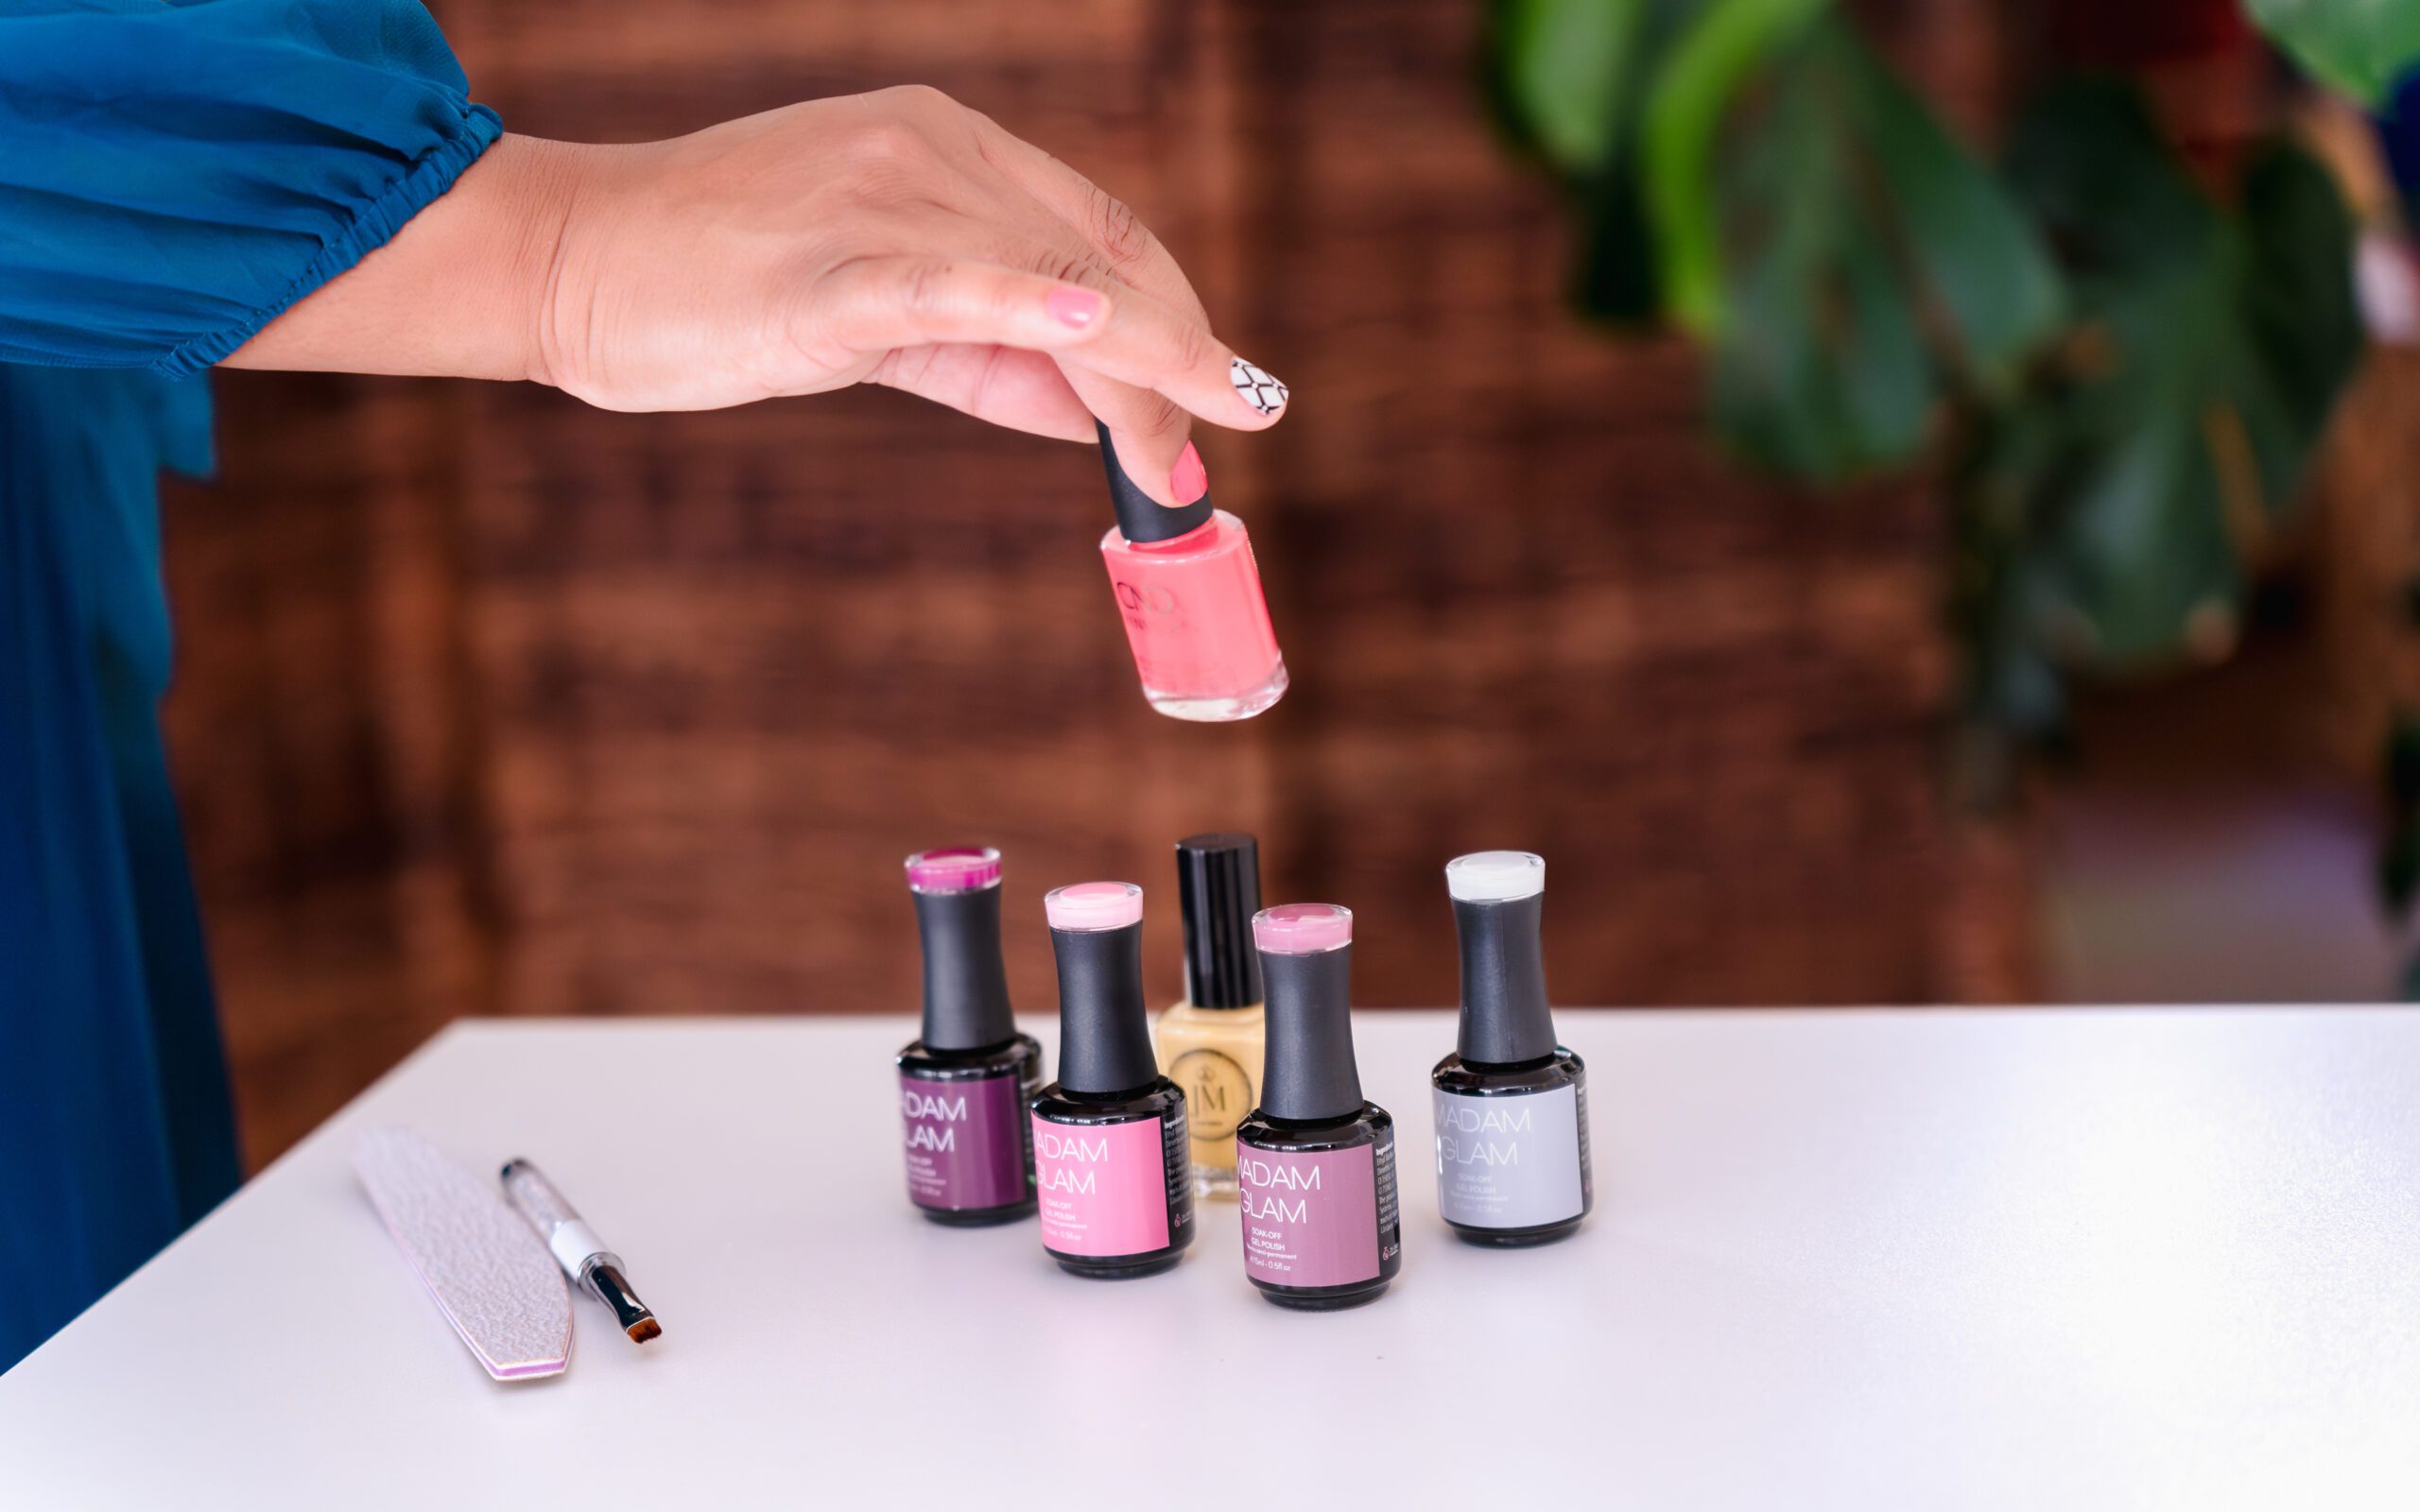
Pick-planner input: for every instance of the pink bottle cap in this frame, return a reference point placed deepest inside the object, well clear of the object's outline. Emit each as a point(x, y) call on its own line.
point(1301, 929)
point(961, 869)
point(1094, 905)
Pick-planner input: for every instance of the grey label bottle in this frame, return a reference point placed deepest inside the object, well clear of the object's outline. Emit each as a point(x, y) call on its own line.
point(1511, 1105)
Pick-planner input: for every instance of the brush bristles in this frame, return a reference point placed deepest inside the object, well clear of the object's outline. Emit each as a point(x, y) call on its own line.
point(644, 1330)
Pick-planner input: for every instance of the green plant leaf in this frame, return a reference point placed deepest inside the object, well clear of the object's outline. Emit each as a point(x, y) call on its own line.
point(1818, 370)
point(2402, 767)
point(2209, 348)
point(1685, 111)
point(2399, 868)
point(1562, 65)
point(1982, 265)
point(2360, 46)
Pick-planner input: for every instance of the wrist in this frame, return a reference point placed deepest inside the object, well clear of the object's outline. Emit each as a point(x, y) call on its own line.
point(547, 184)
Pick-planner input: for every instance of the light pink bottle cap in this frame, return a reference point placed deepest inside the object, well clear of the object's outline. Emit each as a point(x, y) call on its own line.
point(1301, 929)
point(1094, 905)
point(963, 868)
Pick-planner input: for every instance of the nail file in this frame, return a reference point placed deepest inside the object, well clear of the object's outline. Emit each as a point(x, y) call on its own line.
point(489, 1275)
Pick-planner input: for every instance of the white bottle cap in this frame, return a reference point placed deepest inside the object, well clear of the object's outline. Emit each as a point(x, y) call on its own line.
point(1495, 876)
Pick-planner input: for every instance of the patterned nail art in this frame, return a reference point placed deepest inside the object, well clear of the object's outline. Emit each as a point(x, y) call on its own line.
point(1257, 388)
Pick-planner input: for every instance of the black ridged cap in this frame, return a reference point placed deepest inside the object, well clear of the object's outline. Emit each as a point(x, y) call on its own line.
point(1140, 517)
point(1505, 1017)
point(1217, 889)
point(1104, 1031)
point(1309, 1071)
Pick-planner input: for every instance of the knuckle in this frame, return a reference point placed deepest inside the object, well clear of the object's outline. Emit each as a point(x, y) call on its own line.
point(923, 286)
point(1190, 347)
point(1155, 416)
point(883, 140)
point(1119, 232)
point(921, 99)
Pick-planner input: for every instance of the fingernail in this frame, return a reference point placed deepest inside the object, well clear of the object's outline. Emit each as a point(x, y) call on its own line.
point(1189, 480)
point(1073, 306)
point(1257, 386)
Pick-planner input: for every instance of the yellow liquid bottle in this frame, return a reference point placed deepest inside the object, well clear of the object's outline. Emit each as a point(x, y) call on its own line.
point(1210, 1042)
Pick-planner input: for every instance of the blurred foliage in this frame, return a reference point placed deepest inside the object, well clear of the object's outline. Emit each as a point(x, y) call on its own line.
point(2358, 46)
point(2119, 375)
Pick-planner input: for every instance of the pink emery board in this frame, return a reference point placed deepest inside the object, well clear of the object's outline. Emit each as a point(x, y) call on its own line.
point(489, 1274)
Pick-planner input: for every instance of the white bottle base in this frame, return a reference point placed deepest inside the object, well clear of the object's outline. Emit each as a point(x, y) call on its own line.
point(1220, 711)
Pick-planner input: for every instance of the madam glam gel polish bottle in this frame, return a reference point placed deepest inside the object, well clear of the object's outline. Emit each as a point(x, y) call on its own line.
point(963, 1084)
point(1512, 1104)
point(1189, 591)
point(1210, 1042)
point(1109, 1136)
point(1315, 1161)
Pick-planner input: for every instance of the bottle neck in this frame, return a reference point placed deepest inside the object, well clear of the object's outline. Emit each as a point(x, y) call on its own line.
point(1308, 1071)
point(1104, 1030)
point(1505, 1021)
point(966, 982)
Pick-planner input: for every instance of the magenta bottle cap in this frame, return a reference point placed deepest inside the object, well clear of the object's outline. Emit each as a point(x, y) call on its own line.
point(961, 869)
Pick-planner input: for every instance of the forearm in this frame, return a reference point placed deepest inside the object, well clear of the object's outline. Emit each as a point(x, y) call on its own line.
point(458, 290)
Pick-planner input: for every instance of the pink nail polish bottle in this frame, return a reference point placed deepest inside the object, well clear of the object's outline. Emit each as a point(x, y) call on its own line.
point(1190, 592)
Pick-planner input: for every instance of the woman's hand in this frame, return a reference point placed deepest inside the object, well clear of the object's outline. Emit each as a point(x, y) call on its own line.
point(896, 238)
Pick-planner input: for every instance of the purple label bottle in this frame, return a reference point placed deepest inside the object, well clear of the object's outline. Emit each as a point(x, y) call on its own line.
point(1315, 1163)
point(963, 1084)
point(1512, 1104)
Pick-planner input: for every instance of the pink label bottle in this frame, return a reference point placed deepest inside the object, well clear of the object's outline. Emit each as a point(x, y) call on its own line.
point(1110, 1161)
point(1189, 593)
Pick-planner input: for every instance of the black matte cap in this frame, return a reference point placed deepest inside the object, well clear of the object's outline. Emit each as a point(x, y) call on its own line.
point(1308, 1071)
point(1104, 1030)
point(1218, 890)
point(1505, 1017)
point(1140, 517)
point(966, 984)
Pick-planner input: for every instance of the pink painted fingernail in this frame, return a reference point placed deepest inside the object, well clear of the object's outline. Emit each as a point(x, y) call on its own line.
point(1189, 480)
point(1073, 306)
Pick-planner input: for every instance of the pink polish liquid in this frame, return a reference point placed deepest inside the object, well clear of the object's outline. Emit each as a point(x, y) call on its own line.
point(1188, 592)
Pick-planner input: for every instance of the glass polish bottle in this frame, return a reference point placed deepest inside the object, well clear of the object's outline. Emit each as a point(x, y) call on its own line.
point(1108, 1135)
point(1323, 1227)
point(964, 1082)
point(1188, 592)
point(1209, 1041)
point(1512, 1106)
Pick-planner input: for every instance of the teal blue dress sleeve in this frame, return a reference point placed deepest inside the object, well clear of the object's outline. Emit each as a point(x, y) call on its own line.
point(173, 174)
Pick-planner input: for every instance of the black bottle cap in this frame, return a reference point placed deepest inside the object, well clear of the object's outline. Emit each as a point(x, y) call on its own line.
point(1218, 887)
point(958, 915)
point(1140, 517)
point(1309, 1073)
point(1499, 904)
point(1104, 1031)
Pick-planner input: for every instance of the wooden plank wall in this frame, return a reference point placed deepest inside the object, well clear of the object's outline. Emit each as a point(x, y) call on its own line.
point(491, 703)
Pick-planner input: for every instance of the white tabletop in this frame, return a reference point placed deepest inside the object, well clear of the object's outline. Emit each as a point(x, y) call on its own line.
point(2159, 1257)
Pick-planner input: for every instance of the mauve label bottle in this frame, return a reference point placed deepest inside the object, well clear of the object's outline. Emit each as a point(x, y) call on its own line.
point(1104, 1187)
point(1312, 1218)
point(1511, 1163)
point(965, 1141)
